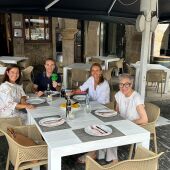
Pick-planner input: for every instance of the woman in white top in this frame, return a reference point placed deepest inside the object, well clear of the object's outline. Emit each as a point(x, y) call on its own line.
point(98, 87)
point(129, 104)
point(12, 96)
point(99, 90)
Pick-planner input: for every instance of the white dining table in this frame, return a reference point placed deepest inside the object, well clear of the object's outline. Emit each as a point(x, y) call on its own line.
point(12, 59)
point(65, 142)
point(150, 67)
point(81, 66)
point(106, 59)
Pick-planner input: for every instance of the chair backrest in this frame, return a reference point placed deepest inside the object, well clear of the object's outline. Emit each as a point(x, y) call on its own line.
point(78, 75)
point(95, 60)
point(155, 75)
point(2, 64)
point(23, 64)
point(119, 64)
point(144, 160)
point(153, 112)
point(26, 73)
point(13, 121)
point(18, 153)
point(107, 74)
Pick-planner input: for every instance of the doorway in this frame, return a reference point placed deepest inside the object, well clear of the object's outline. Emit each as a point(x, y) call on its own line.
point(6, 35)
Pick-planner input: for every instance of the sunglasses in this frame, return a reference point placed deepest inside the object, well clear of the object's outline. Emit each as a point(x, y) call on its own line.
point(124, 85)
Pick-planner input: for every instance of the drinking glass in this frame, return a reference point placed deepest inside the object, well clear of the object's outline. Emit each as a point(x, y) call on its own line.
point(87, 108)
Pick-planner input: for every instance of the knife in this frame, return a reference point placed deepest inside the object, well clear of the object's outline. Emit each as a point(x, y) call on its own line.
point(101, 129)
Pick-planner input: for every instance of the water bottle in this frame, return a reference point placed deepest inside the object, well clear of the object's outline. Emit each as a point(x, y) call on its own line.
point(68, 107)
point(88, 106)
point(48, 89)
point(87, 99)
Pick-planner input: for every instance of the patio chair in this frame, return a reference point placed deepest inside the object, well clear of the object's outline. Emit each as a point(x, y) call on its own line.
point(25, 157)
point(117, 65)
point(143, 160)
point(12, 121)
point(23, 64)
point(26, 79)
point(78, 77)
point(158, 77)
point(153, 113)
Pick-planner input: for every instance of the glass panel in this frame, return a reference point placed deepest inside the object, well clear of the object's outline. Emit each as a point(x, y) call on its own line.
point(37, 28)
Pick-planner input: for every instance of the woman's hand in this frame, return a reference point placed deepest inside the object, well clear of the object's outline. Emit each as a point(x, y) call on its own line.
point(55, 84)
point(29, 106)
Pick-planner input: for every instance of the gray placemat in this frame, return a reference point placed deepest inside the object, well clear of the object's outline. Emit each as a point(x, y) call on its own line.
point(42, 104)
point(84, 137)
point(47, 129)
point(108, 119)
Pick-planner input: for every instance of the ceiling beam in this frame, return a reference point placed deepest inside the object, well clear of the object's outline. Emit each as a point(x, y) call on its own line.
point(51, 4)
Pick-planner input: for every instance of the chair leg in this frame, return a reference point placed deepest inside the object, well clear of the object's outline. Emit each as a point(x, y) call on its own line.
point(7, 163)
point(155, 142)
point(131, 151)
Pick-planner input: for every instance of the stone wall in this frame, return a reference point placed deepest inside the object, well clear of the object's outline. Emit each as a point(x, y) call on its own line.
point(133, 44)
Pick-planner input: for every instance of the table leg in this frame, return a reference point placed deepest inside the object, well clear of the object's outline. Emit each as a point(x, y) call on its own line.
point(166, 82)
point(54, 160)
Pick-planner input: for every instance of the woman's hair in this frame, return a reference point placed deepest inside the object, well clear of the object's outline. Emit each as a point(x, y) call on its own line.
point(126, 76)
point(6, 77)
point(101, 80)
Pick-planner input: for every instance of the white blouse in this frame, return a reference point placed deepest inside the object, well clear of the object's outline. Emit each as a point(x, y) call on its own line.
point(10, 95)
point(100, 94)
point(128, 105)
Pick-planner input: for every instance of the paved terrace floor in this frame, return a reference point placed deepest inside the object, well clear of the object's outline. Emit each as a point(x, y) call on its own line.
point(163, 138)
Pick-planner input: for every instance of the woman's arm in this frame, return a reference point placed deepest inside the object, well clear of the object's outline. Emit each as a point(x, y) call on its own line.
point(24, 106)
point(142, 113)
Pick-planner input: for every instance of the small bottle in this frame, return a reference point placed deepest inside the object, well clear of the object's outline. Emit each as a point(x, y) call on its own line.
point(68, 107)
point(48, 89)
point(63, 91)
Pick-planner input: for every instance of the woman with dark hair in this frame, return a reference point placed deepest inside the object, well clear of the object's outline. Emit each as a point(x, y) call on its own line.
point(98, 87)
point(12, 95)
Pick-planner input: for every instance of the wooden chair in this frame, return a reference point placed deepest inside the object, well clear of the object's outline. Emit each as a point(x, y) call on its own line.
point(12, 121)
point(143, 160)
point(25, 157)
point(158, 77)
point(153, 113)
point(78, 77)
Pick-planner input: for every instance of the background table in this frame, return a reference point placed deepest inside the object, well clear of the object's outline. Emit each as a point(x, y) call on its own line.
point(12, 60)
point(65, 142)
point(105, 59)
point(150, 67)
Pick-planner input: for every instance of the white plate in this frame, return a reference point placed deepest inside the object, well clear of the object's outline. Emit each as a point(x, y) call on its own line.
point(35, 100)
point(53, 93)
point(98, 130)
point(51, 121)
point(105, 113)
point(79, 97)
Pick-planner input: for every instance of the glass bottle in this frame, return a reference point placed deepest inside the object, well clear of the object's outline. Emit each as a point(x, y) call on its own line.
point(63, 91)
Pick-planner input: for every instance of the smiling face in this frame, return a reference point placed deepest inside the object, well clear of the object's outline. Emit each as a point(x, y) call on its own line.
point(96, 72)
point(125, 86)
point(13, 74)
point(49, 66)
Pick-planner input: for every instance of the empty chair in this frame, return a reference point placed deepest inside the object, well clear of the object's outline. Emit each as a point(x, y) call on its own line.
point(153, 113)
point(143, 160)
point(25, 157)
point(26, 79)
point(23, 64)
point(2, 64)
point(117, 65)
point(158, 77)
point(78, 77)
